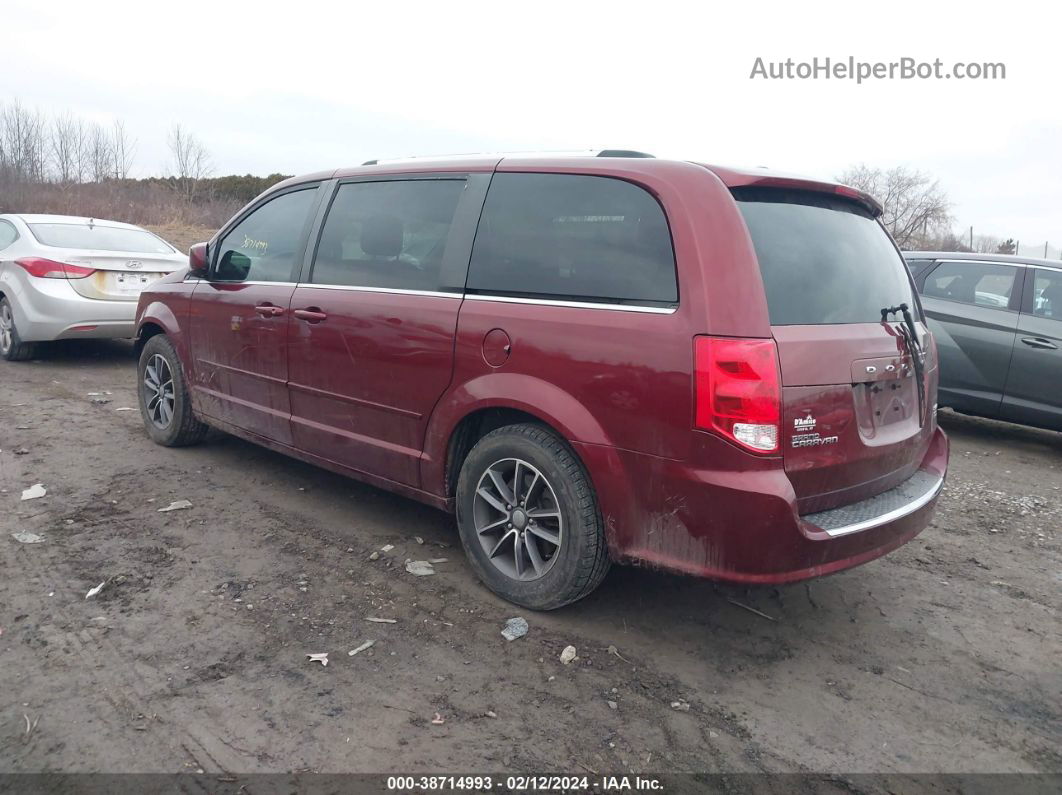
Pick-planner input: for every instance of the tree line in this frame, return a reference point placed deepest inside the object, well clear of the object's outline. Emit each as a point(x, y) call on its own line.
point(917, 212)
point(66, 165)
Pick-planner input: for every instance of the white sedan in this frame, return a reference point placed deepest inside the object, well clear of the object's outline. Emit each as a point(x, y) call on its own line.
point(63, 277)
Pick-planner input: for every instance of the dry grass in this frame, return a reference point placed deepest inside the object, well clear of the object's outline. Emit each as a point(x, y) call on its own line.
point(182, 236)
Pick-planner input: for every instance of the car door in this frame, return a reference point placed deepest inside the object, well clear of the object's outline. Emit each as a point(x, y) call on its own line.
point(371, 339)
point(239, 316)
point(1034, 386)
point(972, 309)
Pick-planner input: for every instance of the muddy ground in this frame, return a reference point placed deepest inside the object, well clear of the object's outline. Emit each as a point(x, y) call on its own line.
point(942, 657)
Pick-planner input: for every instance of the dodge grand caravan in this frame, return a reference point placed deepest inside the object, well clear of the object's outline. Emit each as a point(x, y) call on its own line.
point(588, 359)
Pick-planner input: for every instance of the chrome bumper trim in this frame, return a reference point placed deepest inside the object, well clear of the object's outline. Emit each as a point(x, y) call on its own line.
point(927, 493)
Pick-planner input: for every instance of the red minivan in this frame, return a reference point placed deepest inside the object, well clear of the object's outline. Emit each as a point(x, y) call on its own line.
point(586, 359)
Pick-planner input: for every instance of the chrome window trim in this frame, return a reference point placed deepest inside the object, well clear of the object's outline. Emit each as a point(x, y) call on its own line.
point(653, 310)
point(891, 516)
point(996, 262)
point(250, 281)
point(388, 290)
point(985, 262)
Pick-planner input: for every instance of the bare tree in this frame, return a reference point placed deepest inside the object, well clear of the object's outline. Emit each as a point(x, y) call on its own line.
point(23, 152)
point(80, 150)
point(122, 151)
point(914, 205)
point(100, 154)
point(63, 142)
point(190, 160)
point(986, 244)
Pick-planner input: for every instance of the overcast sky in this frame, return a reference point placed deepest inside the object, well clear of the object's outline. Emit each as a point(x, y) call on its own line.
point(302, 86)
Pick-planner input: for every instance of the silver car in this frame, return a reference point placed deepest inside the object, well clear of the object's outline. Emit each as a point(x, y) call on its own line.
point(63, 277)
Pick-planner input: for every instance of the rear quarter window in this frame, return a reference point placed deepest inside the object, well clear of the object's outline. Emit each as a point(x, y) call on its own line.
point(919, 266)
point(8, 234)
point(573, 237)
point(824, 259)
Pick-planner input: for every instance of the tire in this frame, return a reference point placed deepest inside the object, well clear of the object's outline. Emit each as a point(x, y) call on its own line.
point(175, 426)
point(552, 481)
point(12, 347)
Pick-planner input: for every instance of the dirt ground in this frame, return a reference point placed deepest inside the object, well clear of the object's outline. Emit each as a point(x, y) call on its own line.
point(945, 656)
point(183, 236)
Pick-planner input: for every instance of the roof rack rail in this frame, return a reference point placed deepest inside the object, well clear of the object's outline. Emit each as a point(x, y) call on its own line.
point(583, 153)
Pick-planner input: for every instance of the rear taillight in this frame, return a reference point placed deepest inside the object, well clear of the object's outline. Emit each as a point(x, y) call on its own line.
point(738, 390)
point(50, 269)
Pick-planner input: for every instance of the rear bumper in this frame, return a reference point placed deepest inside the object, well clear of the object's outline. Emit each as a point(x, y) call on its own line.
point(50, 309)
point(744, 526)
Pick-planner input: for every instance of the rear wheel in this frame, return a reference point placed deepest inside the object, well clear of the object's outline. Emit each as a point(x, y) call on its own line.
point(12, 347)
point(164, 403)
point(529, 520)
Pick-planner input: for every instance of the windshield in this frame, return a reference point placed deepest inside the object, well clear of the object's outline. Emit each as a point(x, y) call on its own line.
point(824, 259)
point(99, 238)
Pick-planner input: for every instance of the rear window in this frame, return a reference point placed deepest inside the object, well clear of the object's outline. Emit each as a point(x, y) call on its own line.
point(573, 237)
point(99, 238)
point(823, 259)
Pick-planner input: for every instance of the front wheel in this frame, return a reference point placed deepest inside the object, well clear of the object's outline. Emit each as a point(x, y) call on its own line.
point(529, 520)
point(164, 403)
point(12, 347)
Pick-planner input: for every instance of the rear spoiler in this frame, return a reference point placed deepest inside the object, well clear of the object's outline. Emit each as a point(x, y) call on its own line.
point(733, 178)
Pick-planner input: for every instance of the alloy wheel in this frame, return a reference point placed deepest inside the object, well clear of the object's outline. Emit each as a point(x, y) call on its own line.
point(159, 395)
point(518, 519)
point(7, 328)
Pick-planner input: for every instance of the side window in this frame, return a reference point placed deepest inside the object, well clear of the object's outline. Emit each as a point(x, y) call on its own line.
point(573, 237)
point(264, 245)
point(917, 266)
point(388, 234)
point(8, 234)
point(1047, 293)
point(979, 283)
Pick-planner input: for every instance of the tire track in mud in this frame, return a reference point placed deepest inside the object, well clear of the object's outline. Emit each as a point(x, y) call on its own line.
point(131, 694)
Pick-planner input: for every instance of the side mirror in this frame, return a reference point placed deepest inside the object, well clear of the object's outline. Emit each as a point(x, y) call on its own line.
point(198, 261)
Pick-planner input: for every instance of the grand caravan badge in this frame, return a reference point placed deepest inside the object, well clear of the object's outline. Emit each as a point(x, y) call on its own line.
point(804, 434)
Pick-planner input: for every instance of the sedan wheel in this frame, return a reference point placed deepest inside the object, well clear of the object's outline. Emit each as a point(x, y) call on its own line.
point(7, 327)
point(12, 347)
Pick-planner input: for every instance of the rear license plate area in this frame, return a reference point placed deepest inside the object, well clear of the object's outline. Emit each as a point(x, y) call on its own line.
point(131, 283)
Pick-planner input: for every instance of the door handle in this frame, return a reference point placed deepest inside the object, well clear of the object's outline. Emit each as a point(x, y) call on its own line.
point(1039, 342)
point(268, 310)
point(310, 315)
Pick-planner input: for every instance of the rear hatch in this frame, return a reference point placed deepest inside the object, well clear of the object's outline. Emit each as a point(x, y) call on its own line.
point(856, 416)
point(123, 261)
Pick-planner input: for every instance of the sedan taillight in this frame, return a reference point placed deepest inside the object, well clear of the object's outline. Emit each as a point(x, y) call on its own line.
point(50, 269)
point(738, 390)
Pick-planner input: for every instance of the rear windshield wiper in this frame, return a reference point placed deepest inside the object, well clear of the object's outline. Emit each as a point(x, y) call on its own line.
point(914, 347)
